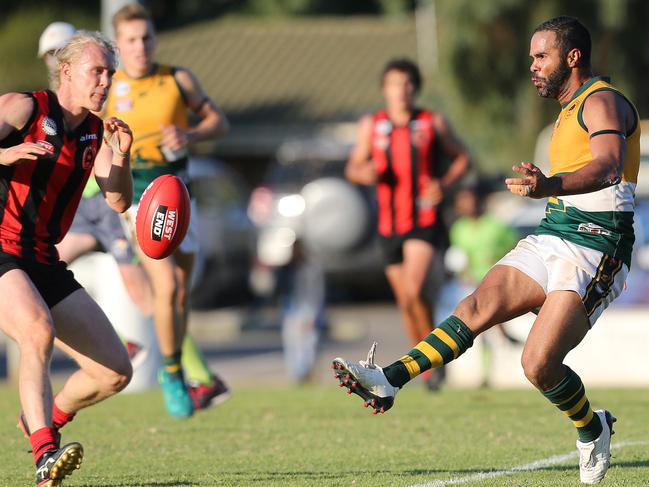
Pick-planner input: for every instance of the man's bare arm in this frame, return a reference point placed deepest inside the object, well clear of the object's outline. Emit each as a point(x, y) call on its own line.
point(360, 168)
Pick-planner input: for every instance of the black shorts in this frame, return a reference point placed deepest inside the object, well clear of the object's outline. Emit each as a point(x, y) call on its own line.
point(54, 282)
point(392, 246)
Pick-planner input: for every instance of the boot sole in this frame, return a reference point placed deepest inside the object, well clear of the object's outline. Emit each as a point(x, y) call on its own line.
point(347, 379)
point(69, 460)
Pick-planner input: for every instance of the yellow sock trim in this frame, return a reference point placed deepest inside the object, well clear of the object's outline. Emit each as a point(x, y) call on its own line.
point(583, 422)
point(172, 369)
point(412, 366)
point(442, 335)
point(579, 391)
point(431, 354)
point(576, 407)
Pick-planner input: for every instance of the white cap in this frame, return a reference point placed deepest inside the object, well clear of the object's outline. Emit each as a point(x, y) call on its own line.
point(55, 36)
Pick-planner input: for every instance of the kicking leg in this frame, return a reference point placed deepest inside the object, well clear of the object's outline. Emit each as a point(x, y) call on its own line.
point(504, 294)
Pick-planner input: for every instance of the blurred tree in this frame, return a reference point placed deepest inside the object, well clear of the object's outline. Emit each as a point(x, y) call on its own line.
point(483, 80)
point(20, 29)
point(175, 12)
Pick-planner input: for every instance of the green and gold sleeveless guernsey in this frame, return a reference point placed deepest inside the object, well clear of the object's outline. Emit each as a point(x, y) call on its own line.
point(601, 220)
point(146, 104)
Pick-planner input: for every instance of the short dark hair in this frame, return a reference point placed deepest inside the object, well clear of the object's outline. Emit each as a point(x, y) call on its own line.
point(404, 65)
point(571, 34)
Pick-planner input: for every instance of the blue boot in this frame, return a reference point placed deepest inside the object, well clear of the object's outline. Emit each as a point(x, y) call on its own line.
point(177, 401)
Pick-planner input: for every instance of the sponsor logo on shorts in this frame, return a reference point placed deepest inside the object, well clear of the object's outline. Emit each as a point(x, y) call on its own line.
point(592, 228)
point(164, 223)
point(49, 126)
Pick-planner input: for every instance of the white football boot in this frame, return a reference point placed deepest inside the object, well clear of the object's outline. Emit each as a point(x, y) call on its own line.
point(595, 456)
point(367, 380)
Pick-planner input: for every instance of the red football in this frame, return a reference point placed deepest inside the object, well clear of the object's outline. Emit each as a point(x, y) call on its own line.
point(162, 216)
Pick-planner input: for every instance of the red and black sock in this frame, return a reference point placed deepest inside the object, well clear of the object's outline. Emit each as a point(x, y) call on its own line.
point(60, 418)
point(43, 440)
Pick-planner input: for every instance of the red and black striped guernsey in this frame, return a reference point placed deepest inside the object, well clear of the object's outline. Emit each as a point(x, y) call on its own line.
point(405, 159)
point(38, 199)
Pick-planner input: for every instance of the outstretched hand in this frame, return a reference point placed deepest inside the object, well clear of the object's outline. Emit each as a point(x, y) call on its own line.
point(534, 184)
point(118, 135)
point(25, 152)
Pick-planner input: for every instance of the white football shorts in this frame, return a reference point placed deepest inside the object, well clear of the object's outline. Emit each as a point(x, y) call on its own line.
point(558, 265)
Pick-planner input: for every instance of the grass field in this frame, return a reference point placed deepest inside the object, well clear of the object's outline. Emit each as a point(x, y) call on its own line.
point(316, 436)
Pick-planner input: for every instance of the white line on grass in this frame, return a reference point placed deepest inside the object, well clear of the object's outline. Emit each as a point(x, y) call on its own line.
point(528, 467)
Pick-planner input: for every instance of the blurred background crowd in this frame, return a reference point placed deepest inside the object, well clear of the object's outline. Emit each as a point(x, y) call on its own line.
point(283, 235)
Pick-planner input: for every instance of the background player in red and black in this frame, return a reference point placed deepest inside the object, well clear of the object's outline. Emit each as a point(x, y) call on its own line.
point(398, 149)
point(49, 143)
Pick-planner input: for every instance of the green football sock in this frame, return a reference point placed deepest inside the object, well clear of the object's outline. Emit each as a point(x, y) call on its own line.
point(194, 364)
point(569, 396)
point(171, 363)
point(445, 343)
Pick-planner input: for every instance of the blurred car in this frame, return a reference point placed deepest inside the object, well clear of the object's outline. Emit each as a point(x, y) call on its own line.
point(305, 197)
point(226, 234)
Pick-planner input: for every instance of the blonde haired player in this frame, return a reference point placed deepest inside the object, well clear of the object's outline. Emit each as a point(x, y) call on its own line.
point(53, 141)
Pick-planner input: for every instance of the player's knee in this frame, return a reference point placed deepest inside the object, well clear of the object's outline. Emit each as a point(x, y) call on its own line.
point(117, 378)
point(479, 312)
point(537, 369)
point(468, 309)
point(39, 337)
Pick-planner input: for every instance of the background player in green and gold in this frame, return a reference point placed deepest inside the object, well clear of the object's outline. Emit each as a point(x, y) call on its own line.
point(154, 99)
point(574, 266)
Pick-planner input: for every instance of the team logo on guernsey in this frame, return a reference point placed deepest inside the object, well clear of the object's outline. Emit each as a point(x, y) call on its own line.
point(382, 131)
point(125, 105)
point(383, 127)
point(49, 126)
point(45, 145)
point(88, 157)
point(164, 223)
point(121, 88)
point(570, 110)
point(420, 133)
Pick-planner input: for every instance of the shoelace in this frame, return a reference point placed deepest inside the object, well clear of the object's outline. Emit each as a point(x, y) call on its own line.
point(369, 363)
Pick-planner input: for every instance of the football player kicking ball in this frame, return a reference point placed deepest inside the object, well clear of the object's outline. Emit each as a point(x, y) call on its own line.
point(49, 143)
point(572, 268)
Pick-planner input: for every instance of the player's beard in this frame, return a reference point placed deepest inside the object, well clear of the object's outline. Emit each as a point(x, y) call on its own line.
point(554, 83)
